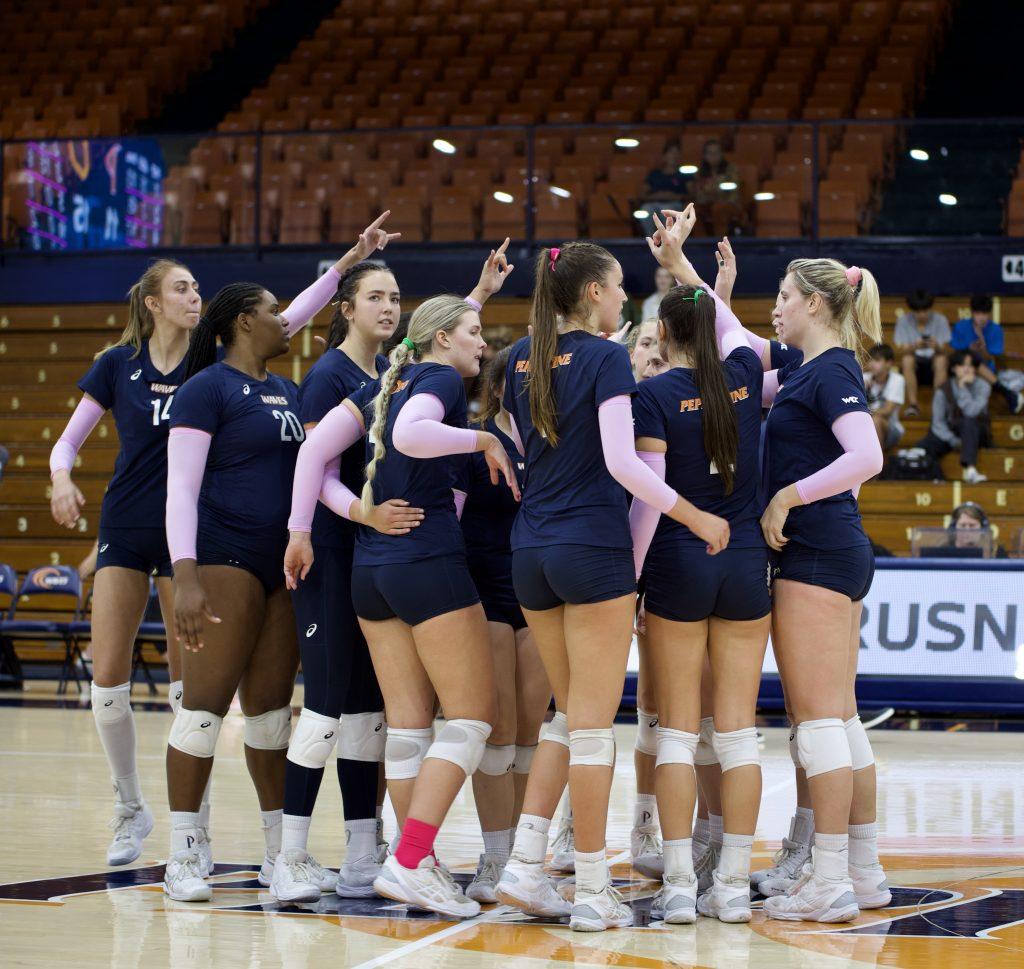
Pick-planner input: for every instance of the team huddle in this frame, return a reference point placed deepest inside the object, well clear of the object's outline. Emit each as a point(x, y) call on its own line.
point(419, 563)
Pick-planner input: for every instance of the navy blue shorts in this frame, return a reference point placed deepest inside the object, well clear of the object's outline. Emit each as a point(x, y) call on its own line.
point(140, 549)
point(265, 561)
point(337, 673)
point(493, 579)
point(848, 571)
point(683, 583)
point(571, 574)
point(413, 591)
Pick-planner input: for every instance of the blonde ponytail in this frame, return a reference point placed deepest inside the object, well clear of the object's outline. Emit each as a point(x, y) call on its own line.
point(139, 327)
point(430, 318)
point(867, 310)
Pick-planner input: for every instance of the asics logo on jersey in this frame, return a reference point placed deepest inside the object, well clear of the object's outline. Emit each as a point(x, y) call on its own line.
point(104, 546)
point(851, 400)
point(246, 390)
point(311, 630)
point(560, 360)
point(136, 375)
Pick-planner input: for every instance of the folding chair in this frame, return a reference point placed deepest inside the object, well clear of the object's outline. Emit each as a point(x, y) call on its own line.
point(10, 665)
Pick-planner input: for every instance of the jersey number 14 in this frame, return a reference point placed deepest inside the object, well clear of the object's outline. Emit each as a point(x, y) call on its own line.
point(161, 409)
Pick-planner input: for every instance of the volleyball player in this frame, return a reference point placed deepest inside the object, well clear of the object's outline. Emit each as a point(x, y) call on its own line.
point(411, 589)
point(342, 701)
point(699, 426)
point(819, 449)
point(136, 379)
point(523, 693)
point(568, 395)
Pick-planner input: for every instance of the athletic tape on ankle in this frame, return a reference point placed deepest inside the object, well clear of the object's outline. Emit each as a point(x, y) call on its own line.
point(861, 754)
point(111, 703)
point(313, 740)
point(675, 746)
point(195, 732)
point(523, 760)
point(557, 731)
point(270, 730)
point(592, 747)
point(404, 751)
point(737, 748)
point(794, 750)
point(497, 760)
point(823, 746)
point(363, 737)
point(174, 694)
point(647, 733)
point(705, 755)
point(461, 742)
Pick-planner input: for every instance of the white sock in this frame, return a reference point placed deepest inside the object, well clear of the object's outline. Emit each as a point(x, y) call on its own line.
point(701, 833)
point(118, 739)
point(715, 821)
point(183, 831)
point(591, 871)
point(831, 856)
point(272, 830)
point(531, 844)
point(803, 826)
point(294, 832)
point(863, 844)
point(679, 859)
point(645, 811)
point(734, 862)
point(496, 843)
point(361, 838)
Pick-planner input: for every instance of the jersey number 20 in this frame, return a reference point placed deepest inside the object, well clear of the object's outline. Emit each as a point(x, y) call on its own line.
point(291, 426)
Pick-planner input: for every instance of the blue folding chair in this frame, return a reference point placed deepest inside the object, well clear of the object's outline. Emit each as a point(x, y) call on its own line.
point(53, 623)
point(151, 631)
point(10, 666)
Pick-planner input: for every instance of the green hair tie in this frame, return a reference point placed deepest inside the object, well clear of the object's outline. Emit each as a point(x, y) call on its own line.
point(407, 342)
point(696, 293)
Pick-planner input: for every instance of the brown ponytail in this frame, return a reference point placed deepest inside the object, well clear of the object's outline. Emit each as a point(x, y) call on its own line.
point(493, 378)
point(557, 295)
point(139, 327)
point(689, 321)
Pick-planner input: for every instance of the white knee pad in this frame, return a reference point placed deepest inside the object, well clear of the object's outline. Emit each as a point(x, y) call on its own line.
point(175, 692)
point(523, 759)
point(861, 754)
point(676, 746)
point(195, 732)
point(592, 748)
point(404, 750)
point(312, 740)
point(647, 733)
point(706, 755)
point(557, 732)
point(823, 746)
point(270, 730)
point(737, 748)
point(461, 742)
point(497, 760)
point(111, 703)
point(363, 737)
point(794, 750)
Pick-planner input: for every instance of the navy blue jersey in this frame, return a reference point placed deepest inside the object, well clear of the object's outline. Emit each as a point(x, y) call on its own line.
point(572, 498)
point(490, 509)
point(140, 397)
point(425, 483)
point(247, 487)
point(329, 381)
point(783, 354)
point(799, 441)
point(668, 408)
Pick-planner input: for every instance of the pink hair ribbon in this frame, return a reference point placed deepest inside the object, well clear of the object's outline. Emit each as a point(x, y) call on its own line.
point(854, 276)
point(554, 254)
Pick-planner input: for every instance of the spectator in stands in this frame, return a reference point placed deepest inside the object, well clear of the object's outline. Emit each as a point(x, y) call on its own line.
point(716, 192)
point(663, 282)
point(921, 338)
point(960, 416)
point(966, 525)
point(885, 389)
point(667, 184)
point(983, 336)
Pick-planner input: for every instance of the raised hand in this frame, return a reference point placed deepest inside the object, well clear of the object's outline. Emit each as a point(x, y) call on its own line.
point(727, 271)
point(374, 238)
point(496, 270)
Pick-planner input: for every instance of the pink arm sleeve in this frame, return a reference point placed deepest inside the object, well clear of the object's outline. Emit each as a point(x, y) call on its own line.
point(86, 416)
point(334, 493)
point(311, 300)
point(517, 438)
point(337, 432)
point(460, 502)
point(615, 417)
point(187, 449)
point(769, 388)
point(862, 459)
point(420, 433)
point(643, 519)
